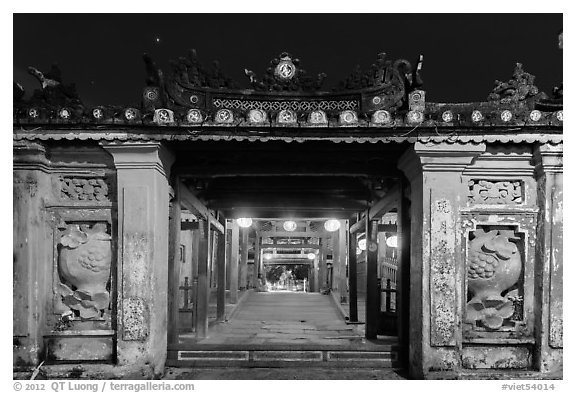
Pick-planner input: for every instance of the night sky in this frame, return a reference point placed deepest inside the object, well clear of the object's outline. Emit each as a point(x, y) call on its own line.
point(463, 53)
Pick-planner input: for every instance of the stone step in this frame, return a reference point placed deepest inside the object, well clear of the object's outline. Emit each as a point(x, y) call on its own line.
point(283, 358)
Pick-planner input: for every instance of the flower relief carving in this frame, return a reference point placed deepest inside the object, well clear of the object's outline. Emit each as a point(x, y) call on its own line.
point(84, 260)
point(493, 192)
point(83, 189)
point(494, 267)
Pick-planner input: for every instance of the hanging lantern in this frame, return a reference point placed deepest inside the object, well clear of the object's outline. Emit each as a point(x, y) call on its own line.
point(362, 244)
point(332, 225)
point(311, 256)
point(267, 256)
point(290, 226)
point(392, 241)
point(244, 222)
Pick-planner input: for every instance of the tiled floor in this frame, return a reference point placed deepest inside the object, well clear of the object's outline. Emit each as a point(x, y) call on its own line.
point(288, 318)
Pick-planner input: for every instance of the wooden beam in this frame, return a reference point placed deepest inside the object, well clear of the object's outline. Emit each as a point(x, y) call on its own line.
point(221, 279)
point(384, 205)
point(359, 226)
point(294, 234)
point(291, 246)
point(203, 286)
point(372, 290)
point(387, 228)
point(174, 267)
point(192, 203)
point(352, 277)
point(189, 225)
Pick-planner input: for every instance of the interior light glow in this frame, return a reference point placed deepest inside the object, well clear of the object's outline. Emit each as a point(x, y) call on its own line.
point(290, 226)
point(311, 256)
point(244, 222)
point(392, 241)
point(332, 225)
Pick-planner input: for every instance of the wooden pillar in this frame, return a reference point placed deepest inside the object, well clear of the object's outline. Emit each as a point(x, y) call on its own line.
point(323, 268)
point(257, 259)
point(174, 265)
point(341, 276)
point(372, 290)
point(243, 269)
point(352, 277)
point(195, 253)
point(403, 271)
point(221, 279)
point(234, 243)
point(203, 286)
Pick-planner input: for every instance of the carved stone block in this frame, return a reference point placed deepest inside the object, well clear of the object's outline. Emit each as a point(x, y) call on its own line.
point(492, 192)
point(83, 189)
point(84, 260)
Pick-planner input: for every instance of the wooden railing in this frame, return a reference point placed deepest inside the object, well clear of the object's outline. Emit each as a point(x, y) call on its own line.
point(388, 291)
point(187, 289)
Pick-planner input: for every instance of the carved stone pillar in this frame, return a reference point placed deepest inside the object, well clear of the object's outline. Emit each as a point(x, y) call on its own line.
point(143, 208)
point(438, 191)
point(32, 261)
point(549, 269)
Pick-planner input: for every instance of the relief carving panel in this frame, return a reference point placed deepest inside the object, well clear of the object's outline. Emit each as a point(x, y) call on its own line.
point(499, 275)
point(494, 267)
point(83, 189)
point(84, 260)
point(492, 192)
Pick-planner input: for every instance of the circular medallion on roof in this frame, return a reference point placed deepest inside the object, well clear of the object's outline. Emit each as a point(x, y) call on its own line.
point(477, 116)
point(560, 115)
point(97, 113)
point(224, 116)
point(130, 114)
point(257, 116)
point(415, 117)
point(194, 99)
point(535, 115)
point(163, 116)
point(151, 93)
point(285, 69)
point(64, 113)
point(506, 115)
point(447, 116)
point(348, 117)
point(194, 116)
point(317, 117)
point(381, 117)
point(376, 100)
point(33, 113)
point(286, 116)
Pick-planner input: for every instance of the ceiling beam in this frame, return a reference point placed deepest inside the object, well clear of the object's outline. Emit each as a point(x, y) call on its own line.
point(290, 246)
point(192, 203)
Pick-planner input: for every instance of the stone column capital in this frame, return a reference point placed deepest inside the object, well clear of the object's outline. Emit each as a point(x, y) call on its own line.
point(438, 157)
point(549, 158)
point(140, 155)
point(28, 155)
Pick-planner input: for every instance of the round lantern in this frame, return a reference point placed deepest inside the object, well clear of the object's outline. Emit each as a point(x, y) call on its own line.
point(290, 226)
point(311, 256)
point(332, 225)
point(392, 241)
point(362, 244)
point(244, 222)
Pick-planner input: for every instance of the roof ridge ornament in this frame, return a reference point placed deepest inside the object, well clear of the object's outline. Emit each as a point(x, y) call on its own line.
point(285, 74)
point(520, 88)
